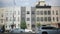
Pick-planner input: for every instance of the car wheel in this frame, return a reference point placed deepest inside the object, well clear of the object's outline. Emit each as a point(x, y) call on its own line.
point(44, 33)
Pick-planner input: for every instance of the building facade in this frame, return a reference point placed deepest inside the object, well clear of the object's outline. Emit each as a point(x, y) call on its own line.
point(2, 19)
point(47, 15)
point(12, 17)
point(55, 18)
point(41, 13)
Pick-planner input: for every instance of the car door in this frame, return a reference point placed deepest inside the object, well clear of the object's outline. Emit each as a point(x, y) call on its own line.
point(50, 30)
point(58, 30)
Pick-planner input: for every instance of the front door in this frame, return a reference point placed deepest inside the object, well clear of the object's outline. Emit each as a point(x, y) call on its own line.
point(59, 25)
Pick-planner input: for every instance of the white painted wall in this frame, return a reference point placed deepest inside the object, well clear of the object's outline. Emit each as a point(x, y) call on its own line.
point(28, 16)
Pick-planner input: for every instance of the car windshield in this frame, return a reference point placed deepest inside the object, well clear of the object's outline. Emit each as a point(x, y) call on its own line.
point(48, 28)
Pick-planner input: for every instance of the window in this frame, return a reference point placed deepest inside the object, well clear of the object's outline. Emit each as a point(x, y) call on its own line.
point(6, 18)
point(33, 25)
point(28, 12)
point(33, 19)
point(53, 19)
point(14, 19)
point(48, 28)
point(56, 12)
point(10, 19)
point(33, 12)
point(28, 19)
point(41, 12)
point(28, 25)
point(41, 18)
point(37, 18)
point(1, 20)
point(23, 18)
point(37, 12)
point(45, 12)
point(57, 18)
point(45, 19)
point(49, 18)
point(18, 12)
point(2, 15)
point(49, 12)
point(53, 12)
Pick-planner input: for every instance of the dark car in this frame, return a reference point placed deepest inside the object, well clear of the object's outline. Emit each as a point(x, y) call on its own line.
point(48, 30)
point(1, 31)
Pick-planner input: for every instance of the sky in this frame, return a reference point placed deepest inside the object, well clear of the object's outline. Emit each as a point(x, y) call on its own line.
point(4, 3)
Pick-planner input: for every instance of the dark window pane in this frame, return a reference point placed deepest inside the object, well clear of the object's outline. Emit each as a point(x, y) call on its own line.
point(49, 12)
point(45, 19)
point(33, 19)
point(33, 26)
point(56, 12)
point(37, 18)
point(10, 19)
point(53, 19)
point(37, 12)
point(28, 12)
point(28, 19)
point(6, 18)
point(2, 15)
point(41, 12)
point(49, 18)
point(33, 12)
point(53, 12)
point(41, 18)
point(1, 20)
point(57, 18)
point(48, 28)
point(45, 12)
point(14, 19)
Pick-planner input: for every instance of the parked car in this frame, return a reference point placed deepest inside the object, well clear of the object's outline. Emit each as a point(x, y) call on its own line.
point(48, 30)
point(1, 30)
point(27, 30)
point(17, 30)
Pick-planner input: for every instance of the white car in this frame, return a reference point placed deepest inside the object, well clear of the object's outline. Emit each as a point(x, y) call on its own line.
point(48, 30)
point(27, 30)
point(17, 30)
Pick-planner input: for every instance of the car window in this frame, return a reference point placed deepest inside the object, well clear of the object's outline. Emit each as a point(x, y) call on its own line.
point(48, 28)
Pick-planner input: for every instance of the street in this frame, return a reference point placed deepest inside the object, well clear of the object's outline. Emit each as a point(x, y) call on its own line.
point(18, 33)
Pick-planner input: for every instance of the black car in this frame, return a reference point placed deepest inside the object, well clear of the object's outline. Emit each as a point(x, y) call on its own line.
point(1, 30)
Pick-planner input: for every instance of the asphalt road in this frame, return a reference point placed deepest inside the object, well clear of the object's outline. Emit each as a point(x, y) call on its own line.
point(18, 33)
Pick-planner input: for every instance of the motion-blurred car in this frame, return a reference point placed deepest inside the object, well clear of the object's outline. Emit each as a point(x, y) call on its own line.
point(27, 30)
point(17, 30)
point(48, 30)
point(1, 30)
